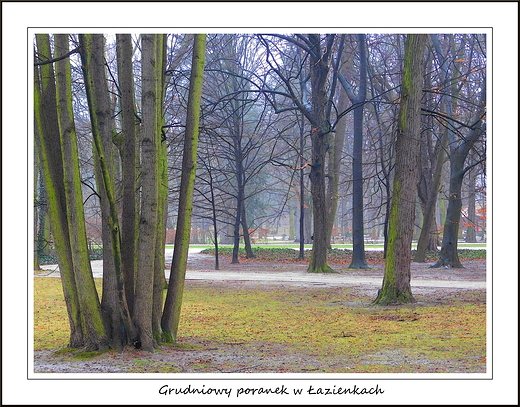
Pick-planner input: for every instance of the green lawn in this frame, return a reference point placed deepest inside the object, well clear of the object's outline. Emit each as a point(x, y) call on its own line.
point(323, 322)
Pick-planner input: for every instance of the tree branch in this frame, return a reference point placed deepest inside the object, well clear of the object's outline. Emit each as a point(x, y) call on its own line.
point(51, 61)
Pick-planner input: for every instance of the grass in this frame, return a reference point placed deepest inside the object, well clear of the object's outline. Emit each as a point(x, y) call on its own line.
point(322, 322)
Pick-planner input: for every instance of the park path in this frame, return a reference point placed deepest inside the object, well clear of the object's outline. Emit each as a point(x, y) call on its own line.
point(201, 267)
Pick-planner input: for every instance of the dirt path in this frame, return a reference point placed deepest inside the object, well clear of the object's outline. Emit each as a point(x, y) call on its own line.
point(201, 267)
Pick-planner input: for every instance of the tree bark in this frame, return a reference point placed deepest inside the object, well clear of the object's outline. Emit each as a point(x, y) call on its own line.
point(47, 129)
point(335, 159)
point(159, 280)
point(471, 234)
point(429, 206)
point(396, 287)
point(358, 230)
point(448, 256)
point(152, 74)
point(95, 335)
point(114, 306)
point(172, 308)
point(320, 138)
point(129, 162)
point(245, 231)
point(239, 175)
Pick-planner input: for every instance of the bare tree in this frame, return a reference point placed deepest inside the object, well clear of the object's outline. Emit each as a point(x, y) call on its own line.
point(396, 282)
point(461, 140)
point(172, 307)
point(358, 233)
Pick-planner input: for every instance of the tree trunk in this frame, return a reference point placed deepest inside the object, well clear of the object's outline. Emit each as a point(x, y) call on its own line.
point(358, 230)
point(448, 256)
point(152, 74)
point(320, 246)
point(47, 129)
point(238, 215)
point(301, 254)
point(159, 280)
point(335, 159)
point(214, 221)
point(432, 159)
point(129, 162)
point(245, 229)
point(95, 335)
point(42, 230)
point(396, 287)
point(114, 306)
point(427, 229)
point(320, 138)
point(172, 307)
point(471, 235)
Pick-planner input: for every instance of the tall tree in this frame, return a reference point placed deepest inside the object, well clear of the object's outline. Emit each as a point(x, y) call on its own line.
point(358, 100)
point(229, 73)
point(319, 58)
point(59, 155)
point(172, 307)
point(152, 67)
point(449, 257)
point(291, 75)
point(159, 280)
point(396, 282)
point(117, 315)
point(129, 162)
point(431, 163)
point(385, 59)
point(461, 141)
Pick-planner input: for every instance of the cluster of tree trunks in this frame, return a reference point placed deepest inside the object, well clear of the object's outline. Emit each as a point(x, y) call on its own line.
point(131, 309)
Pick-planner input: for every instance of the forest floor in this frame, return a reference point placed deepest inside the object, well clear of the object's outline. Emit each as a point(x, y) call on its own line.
point(431, 288)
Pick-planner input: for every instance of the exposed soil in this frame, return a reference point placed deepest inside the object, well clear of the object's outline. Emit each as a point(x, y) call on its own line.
point(201, 356)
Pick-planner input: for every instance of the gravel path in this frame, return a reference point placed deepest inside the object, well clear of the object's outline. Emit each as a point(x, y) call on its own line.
point(201, 267)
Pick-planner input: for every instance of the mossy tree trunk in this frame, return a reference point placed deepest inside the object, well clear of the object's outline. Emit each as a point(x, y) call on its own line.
point(396, 287)
point(95, 334)
point(159, 280)
point(172, 307)
point(115, 309)
point(55, 124)
point(48, 133)
point(152, 67)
